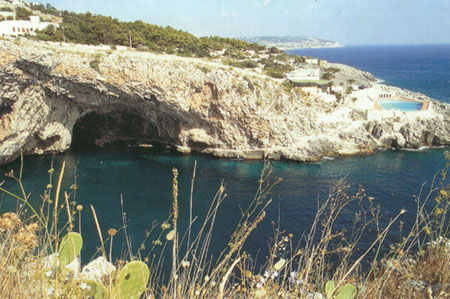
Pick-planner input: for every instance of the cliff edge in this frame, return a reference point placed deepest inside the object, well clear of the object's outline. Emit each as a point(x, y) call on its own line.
point(53, 95)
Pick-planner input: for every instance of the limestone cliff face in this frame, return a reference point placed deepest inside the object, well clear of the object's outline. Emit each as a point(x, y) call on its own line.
point(52, 95)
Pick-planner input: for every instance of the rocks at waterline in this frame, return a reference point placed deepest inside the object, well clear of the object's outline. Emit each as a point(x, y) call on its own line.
point(52, 97)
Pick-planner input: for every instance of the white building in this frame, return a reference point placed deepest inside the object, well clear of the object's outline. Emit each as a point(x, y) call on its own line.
point(15, 28)
point(312, 61)
point(309, 73)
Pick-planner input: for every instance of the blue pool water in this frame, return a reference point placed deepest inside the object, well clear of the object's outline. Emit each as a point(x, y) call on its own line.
point(401, 105)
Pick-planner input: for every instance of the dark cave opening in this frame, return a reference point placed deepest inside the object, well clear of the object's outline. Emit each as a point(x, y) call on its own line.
point(118, 129)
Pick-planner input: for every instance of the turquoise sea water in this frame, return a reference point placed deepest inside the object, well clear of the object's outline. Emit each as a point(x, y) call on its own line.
point(144, 178)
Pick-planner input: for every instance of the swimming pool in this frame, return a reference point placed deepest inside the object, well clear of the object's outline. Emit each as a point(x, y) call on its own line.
point(401, 105)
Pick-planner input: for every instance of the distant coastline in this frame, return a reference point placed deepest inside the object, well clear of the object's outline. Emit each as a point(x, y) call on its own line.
point(288, 43)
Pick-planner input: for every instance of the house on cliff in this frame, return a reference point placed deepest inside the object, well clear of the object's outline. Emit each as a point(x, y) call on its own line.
point(20, 27)
point(308, 80)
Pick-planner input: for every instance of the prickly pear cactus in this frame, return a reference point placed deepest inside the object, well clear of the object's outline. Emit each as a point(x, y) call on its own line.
point(94, 289)
point(329, 288)
point(346, 292)
point(131, 281)
point(70, 248)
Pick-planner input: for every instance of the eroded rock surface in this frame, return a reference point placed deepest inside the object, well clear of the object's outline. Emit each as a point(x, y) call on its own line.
point(49, 92)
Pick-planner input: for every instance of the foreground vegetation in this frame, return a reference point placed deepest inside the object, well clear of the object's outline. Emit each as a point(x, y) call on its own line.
point(39, 250)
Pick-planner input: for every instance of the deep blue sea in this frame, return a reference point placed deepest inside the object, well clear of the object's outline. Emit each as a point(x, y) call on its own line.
point(144, 177)
point(420, 68)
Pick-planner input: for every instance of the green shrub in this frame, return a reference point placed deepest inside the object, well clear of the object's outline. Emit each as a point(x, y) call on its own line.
point(287, 85)
point(95, 63)
point(244, 64)
point(326, 76)
point(5, 8)
point(23, 13)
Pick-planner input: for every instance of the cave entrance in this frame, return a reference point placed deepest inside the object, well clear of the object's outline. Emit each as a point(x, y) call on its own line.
point(117, 129)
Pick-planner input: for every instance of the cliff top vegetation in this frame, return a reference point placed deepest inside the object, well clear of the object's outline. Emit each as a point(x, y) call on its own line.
point(93, 29)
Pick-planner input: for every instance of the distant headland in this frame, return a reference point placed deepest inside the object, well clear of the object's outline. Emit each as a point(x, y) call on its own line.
point(292, 42)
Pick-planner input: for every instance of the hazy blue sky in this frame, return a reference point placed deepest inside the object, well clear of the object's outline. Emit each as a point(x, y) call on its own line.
point(349, 22)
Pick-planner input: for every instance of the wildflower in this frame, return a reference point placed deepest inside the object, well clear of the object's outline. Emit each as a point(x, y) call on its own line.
point(84, 286)
point(293, 277)
point(50, 291)
point(49, 186)
point(170, 235)
point(248, 274)
point(79, 208)
point(443, 193)
point(274, 274)
point(185, 264)
point(291, 235)
point(51, 170)
point(74, 187)
point(48, 273)
point(267, 273)
point(259, 285)
point(197, 293)
point(112, 232)
point(165, 225)
point(206, 278)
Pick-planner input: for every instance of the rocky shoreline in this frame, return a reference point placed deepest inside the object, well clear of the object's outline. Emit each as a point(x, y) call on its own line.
point(53, 95)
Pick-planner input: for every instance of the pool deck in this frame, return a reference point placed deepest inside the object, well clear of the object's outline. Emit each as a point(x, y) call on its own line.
point(377, 106)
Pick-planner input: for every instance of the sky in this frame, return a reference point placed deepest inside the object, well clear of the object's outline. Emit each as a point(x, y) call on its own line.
point(349, 22)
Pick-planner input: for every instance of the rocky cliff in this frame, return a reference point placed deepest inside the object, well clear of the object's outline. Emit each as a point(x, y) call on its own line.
point(54, 95)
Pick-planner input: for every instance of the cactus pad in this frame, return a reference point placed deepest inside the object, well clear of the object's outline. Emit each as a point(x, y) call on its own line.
point(95, 290)
point(346, 292)
point(131, 281)
point(70, 248)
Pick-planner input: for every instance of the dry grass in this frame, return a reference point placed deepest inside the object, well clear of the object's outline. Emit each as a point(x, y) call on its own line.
point(417, 267)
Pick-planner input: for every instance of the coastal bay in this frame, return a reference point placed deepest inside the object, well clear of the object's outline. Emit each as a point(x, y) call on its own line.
point(391, 177)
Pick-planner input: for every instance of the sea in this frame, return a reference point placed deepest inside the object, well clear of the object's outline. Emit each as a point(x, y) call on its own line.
point(142, 178)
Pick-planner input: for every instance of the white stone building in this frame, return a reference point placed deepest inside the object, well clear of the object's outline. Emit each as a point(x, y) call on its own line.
point(312, 61)
point(308, 73)
point(18, 27)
